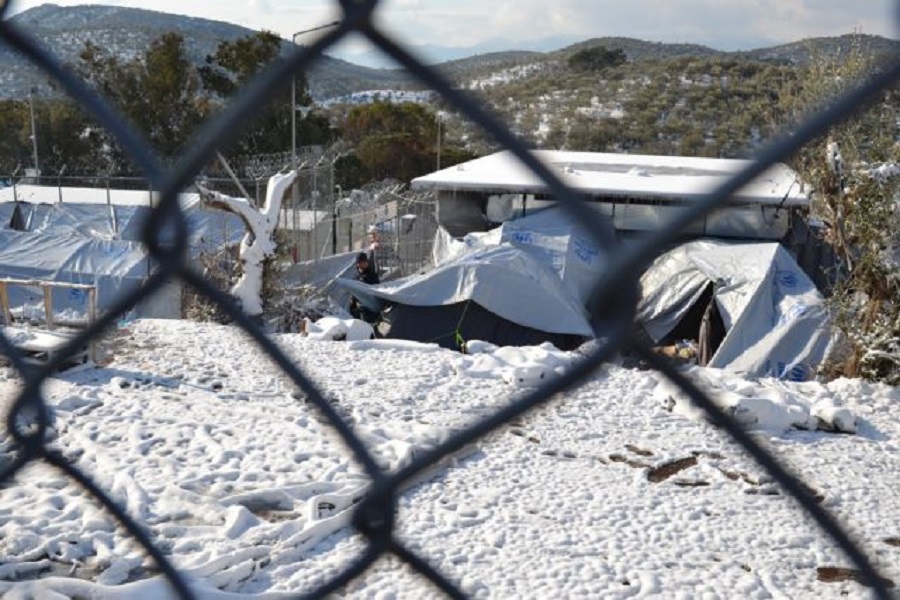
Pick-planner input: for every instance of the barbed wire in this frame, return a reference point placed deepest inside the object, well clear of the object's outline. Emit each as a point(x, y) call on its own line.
point(612, 305)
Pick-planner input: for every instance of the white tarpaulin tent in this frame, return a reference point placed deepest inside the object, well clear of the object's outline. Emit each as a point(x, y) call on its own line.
point(208, 228)
point(96, 240)
point(775, 320)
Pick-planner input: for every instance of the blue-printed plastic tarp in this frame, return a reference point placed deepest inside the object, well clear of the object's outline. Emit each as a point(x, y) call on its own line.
point(776, 322)
point(551, 236)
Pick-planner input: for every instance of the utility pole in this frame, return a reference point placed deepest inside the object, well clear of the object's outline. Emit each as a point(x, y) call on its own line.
point(439, 119)
point(295, 191)
point(34, 144)
point(334, 219)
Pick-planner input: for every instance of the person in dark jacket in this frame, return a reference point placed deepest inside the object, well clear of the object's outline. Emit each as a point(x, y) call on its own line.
point(365, 269)
point(366, 273)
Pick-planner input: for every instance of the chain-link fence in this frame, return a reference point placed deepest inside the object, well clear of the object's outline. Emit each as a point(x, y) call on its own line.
point(613, 305)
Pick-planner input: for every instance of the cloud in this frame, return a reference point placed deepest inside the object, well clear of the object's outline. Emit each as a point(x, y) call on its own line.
point(259, 6)
point(725, 24)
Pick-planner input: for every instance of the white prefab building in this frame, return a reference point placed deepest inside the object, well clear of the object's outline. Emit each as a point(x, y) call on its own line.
point(636, 192)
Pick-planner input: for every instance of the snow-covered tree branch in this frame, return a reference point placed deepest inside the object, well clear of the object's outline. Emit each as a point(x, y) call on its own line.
point(259, 243)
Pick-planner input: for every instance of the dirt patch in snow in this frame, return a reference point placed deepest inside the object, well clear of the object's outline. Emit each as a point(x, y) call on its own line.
point(842, 574)
point(669, 469)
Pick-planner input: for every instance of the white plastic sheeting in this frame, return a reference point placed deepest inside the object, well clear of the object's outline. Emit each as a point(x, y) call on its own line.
point(550, 236)
point(96, 243)
point(683, 178)
point(115, 267)
point(208, 228)
point(776, 320)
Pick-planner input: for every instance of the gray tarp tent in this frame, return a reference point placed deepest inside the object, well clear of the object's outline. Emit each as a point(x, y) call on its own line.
point(775, 320)
point(502, 294)
point(522, 283)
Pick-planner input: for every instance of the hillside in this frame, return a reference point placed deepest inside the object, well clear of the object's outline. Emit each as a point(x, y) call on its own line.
point(640, 49)
point(488, 63)
point(835, 48)
point(665, 99)
point(499, 65)
point(127, 32)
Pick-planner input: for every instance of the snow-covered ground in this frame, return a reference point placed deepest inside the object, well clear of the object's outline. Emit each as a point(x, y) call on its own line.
point(613, 490)
point(391, 96)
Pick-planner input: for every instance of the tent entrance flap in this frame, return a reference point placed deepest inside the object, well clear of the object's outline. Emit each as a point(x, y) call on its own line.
point(703, 324)
point(448, 324)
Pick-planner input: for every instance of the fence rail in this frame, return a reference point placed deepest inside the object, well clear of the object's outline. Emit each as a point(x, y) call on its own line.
point(613, 307)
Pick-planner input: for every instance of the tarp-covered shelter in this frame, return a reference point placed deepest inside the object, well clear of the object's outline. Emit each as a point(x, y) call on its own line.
point(504, 295)
point(115, 267)
point(526, 282)
point(38, 210)
point(772, 319)
point(94, 237)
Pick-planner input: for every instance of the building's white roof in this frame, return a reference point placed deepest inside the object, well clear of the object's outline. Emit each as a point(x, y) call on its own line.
point(44, 194)
point(619, 175)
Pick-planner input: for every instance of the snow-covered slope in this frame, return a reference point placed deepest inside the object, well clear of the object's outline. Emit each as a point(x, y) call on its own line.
point(611, 491)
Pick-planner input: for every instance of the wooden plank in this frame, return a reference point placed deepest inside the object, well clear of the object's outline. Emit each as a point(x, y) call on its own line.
point(92, 318)
point(43, 282)
point(4, 300)
point(48, 307)
point(43, 346)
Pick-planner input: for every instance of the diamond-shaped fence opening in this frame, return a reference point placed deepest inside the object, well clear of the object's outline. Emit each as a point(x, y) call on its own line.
point(613, 305)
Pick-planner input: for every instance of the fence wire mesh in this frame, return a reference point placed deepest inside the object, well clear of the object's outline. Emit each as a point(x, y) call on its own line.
point(612, 307)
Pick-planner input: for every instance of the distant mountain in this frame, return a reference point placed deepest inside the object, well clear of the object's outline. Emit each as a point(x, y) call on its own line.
point(128, 32)
point(439, 54)
point(795, 53)
point(642, 50)
point(833, 48)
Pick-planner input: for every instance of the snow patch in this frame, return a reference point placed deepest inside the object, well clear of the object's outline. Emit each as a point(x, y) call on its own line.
point(517, 366)
point(767, 405)
point(334, 329)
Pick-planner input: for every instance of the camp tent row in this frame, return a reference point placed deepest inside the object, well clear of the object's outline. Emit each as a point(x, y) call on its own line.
point(511, 268)
point(528, 280)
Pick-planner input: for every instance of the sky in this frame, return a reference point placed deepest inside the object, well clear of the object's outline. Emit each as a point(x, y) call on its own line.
point(722, 24)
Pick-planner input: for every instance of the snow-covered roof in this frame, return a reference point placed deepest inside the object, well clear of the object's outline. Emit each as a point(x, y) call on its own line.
point(619, 175)
point(43, 194)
